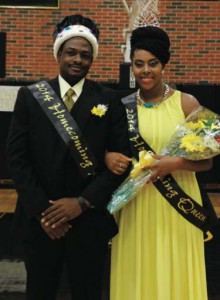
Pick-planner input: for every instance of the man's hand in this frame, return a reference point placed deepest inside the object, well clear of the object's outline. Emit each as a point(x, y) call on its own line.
point(60, 212)
point(56, 233)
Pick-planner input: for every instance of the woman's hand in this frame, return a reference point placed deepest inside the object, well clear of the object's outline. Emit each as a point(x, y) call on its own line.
point(116, 162)
point(165, 165)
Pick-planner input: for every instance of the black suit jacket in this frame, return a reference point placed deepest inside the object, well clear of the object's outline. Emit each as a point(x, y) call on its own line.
point(42, 166)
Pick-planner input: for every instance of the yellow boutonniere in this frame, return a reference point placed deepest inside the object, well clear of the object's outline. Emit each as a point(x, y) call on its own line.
point(99, 110)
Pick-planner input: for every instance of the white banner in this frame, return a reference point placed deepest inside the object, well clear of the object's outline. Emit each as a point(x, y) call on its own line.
point(8, 96)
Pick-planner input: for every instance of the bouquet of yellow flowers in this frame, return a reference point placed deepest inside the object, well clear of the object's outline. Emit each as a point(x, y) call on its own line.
point(197, 138)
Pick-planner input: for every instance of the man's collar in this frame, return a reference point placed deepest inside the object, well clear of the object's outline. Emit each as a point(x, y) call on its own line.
point(65, 86)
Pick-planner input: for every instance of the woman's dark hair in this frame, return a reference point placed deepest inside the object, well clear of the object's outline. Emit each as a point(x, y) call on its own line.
point(76, 20)
point(152, 39)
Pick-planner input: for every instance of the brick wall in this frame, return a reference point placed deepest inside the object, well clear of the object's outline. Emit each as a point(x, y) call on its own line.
point(193, 26)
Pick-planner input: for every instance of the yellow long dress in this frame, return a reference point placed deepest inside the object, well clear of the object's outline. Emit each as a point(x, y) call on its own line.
point(158, 255)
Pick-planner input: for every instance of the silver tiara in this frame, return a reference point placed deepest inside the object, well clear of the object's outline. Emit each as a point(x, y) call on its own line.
point(147, 14)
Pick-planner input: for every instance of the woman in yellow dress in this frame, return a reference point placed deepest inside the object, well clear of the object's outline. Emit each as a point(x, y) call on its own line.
point(158, 254)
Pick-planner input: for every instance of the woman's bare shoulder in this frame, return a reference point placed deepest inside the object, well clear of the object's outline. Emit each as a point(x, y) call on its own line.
point(189, 103)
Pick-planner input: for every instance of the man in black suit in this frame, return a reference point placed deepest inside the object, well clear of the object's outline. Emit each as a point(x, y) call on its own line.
point(58, 168)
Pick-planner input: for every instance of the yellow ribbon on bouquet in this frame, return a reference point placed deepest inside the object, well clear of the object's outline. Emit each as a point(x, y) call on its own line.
point(145, 160)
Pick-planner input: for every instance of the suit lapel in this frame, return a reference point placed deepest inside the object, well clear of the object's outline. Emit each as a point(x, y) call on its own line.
point(84, 104)
point(54, 83)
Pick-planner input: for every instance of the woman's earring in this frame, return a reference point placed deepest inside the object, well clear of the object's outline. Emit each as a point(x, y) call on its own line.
point(162, 72)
